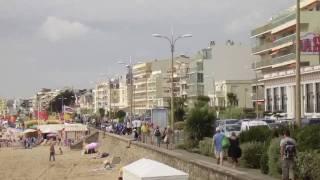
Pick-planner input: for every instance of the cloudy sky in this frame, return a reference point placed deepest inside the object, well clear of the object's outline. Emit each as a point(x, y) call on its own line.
point(54, 43)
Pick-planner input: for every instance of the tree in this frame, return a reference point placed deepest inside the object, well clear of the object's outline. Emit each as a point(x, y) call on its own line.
point(66, 96)
point(102, 112)
point(199, 122)
point(232, 99)
point(121, 115)
point(179, 108)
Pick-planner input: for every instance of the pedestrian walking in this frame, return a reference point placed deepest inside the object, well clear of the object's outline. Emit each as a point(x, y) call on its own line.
point(157, 135)
point(144, 132)
point(217, 141)
point(288, 154)
point(234, 151)
point(52, 152)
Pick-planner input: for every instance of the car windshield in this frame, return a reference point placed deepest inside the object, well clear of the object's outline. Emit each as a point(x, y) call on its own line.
point(233, 128)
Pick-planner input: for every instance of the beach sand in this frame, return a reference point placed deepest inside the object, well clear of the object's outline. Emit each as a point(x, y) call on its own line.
point(33, 164)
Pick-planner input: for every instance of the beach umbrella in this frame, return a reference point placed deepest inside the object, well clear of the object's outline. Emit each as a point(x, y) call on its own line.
point(92, 146)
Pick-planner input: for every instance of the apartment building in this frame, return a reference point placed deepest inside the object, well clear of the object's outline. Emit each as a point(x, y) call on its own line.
point(3, 106)
point(274, 43)
point(240, 88)
point(42, 99)
point(107, 95)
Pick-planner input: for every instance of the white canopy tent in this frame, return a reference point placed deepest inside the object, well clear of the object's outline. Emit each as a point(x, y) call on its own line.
point(146, 169)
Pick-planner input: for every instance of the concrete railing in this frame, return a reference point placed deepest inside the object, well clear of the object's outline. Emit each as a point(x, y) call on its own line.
point(197, 169)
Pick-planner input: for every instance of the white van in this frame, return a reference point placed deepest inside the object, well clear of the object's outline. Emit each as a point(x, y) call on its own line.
point(246, 125)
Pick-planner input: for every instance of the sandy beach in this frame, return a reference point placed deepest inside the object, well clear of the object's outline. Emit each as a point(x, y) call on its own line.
point(33, 164)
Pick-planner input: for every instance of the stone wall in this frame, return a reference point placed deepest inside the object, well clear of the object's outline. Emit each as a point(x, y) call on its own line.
point(197, 169)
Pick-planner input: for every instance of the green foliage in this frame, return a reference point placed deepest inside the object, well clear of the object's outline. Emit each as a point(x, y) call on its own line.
point(232, 99)
point(55, 104)
point(251, 154)
point(199, 123)
point(264, 168)
point(121, 115)
point(86, 111)
point(309, 138)
point(308, 165)
point(102, 112)
point(232, 113)
point(206, 146)
point(179, 125)
point(258, 134)
point(180, 108)
point(274, 162)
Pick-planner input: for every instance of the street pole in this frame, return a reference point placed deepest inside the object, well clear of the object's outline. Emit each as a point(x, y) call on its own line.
point(172, 40)
point(110, 99)
point(172, 86)
point(298, 76)
point(257, 91)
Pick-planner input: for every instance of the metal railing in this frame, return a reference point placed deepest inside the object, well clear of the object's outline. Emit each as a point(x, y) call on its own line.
point(284, 58)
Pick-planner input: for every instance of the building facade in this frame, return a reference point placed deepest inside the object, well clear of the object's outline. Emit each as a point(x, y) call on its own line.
point(274, 43)
point(240, 88)
point(3, 107)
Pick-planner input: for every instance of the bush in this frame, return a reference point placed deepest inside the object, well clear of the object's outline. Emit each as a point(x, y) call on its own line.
point(257, 134)
point(199, 123)
point(308, 138)
point(206, 147)
point(308, 165)
point(264, 162)
point(274, 162)
point(251, 154)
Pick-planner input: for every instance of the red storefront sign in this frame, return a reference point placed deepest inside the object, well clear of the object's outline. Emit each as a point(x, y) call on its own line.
point(310, 44)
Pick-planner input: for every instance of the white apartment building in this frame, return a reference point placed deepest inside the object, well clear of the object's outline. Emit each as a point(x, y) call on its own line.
point(275, 45)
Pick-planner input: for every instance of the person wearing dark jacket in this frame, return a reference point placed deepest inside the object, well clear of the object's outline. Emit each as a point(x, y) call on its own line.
point(234, 150)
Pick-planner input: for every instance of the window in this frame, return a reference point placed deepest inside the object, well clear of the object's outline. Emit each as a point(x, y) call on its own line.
point(309, 98)
point(283, 99)
point(318, 97)
point(269, 100)
point(276, 99)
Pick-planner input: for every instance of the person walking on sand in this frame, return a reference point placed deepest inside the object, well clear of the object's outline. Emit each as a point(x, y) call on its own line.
point(217, 140)
point(234, 150)
point(52, 152)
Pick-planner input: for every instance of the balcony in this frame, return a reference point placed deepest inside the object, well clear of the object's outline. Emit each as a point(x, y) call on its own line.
point(261, 30)
point(273, 61)
point(282, 59)
point(276, 43)
point(283, 40)
point(262, 47)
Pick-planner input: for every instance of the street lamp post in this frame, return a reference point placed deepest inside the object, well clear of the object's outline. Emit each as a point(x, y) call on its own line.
point(130, 69)
point(172, 40)
point(298, 75)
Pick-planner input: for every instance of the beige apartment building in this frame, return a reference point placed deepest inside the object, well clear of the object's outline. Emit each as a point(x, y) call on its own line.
point(3, 106)
point(240, 88)
point(107, 96)
point(152, 82)
point(274, 43)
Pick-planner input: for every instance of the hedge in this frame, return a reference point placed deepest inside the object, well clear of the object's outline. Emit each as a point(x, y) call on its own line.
point(308, 165)
point(251, 154)
point(258, 134)
point(274, 163)
point(309, 138)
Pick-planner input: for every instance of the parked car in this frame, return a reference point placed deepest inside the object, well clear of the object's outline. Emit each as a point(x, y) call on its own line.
point(228, 129)
point(255, 123)
point(310, 121)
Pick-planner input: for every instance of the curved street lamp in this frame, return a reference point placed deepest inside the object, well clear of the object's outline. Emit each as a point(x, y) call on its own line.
point(172, 40)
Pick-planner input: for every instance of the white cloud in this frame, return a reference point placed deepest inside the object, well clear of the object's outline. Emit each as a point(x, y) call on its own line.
point(55, 29)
